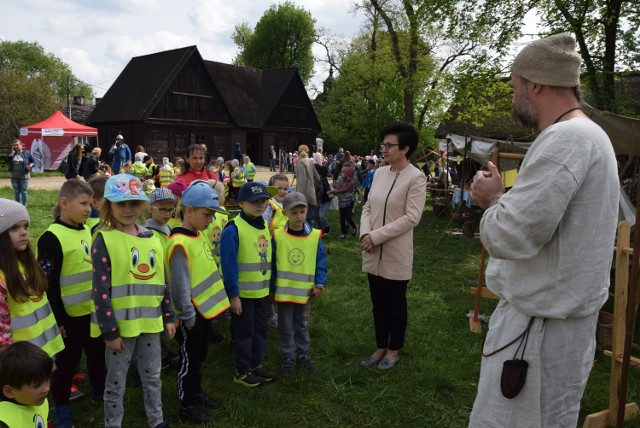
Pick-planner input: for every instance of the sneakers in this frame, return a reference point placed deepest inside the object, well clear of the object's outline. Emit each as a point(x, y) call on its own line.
point(208, 401)
point(75, 392)
point(163, 425)
point(195, 414)
point(342, 237)
point(248, 379)
point(81, 379)
point(264, 373)
point(305, 362)
point(355, 231)
point(288, 365)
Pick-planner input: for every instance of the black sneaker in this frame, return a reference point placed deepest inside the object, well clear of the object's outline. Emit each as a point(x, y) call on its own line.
point(288, 364)
point(248, 379)
point(195, 414)
point(305, 362)
point(208, 401)
point(264, 373)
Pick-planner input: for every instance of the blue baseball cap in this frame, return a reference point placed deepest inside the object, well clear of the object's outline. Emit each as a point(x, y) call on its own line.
point(252, 191)
point(200, 195)
point(124, 187)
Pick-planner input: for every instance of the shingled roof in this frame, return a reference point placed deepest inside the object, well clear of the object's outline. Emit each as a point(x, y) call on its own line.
point(141, 85)
point(249, 94)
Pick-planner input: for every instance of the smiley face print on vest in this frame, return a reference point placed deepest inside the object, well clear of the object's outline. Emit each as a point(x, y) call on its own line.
point(143, 265)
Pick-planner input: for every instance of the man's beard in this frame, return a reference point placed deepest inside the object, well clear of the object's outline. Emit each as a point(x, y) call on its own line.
point(525, 113)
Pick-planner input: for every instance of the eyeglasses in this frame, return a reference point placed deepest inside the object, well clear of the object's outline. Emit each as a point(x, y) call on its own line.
point(166, 211)
point(388, 145)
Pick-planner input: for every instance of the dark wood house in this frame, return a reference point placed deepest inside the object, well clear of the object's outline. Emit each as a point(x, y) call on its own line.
point(169, 100)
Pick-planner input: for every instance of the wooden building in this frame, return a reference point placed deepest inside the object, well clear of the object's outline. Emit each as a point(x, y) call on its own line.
point(169, 100)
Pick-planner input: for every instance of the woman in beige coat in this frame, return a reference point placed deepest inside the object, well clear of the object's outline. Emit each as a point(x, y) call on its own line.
point(307, 179)
point(393, 209)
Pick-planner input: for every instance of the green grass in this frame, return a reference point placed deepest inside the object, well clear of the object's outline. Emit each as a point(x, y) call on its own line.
point(4, 173)
point(433, 386)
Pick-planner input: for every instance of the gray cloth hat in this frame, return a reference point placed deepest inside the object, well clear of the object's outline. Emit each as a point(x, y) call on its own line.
point(11, 212)
point(293, 200)
point(552, 61)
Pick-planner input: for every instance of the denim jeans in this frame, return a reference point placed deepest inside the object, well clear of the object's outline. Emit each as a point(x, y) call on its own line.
point(272, 165)
point(20, 186)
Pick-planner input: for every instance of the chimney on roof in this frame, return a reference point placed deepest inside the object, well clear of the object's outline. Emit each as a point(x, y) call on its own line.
point(78, 100)
point(98, 99)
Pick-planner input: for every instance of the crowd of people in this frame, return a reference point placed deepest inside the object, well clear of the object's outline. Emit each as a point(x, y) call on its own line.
point(105, 285)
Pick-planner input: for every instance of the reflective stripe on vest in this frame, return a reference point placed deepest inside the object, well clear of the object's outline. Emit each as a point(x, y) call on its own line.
point(254, 260)
point(75, 274)
point(296, 265)
point(207, 289)
point(239, 180)
point(33, 321)
point(137, 283)
point(278, 219)
point(17, 415)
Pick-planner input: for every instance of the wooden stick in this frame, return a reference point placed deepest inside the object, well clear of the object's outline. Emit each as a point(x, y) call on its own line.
point(474, 323)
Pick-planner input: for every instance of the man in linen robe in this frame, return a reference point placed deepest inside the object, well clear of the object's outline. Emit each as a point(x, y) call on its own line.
point(550, 239)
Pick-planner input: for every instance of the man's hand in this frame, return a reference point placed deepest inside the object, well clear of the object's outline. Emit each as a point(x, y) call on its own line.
point(487, 187)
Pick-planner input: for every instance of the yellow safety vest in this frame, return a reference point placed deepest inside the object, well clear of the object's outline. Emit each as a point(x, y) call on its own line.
point(212, 234)
point(19, 416)
point(278, 219)
point(254, 260)
point(75, 275)
point(240, 179)
point(91, 222)
point(164, 239)
point(174, 222)
point(207, 289)
point(166, 177)
point(251, 170)
point(137, 283)
point(296, 265)
point(33, 321)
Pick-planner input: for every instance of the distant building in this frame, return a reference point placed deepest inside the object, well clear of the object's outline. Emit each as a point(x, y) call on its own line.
point(169, 100)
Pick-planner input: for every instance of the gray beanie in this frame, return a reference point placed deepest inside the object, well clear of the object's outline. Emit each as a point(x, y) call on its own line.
point(11, 212)
point(552, 61)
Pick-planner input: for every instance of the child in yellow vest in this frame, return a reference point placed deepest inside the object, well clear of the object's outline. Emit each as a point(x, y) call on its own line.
point(238, 178)
point(198, 296)
point(23, 285)
point(249, 168)
point(64, 254)
point(25, 372)
point(131, 298)
point(245, 256)
point(299, 273)
point(275, 218)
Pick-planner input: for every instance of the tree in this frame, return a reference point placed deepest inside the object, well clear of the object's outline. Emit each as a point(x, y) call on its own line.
point(282, 38)
point(33, 84)
point(608, 37)
point(30, 59)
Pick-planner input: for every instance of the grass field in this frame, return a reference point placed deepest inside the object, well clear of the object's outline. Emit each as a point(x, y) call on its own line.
point(433, 386)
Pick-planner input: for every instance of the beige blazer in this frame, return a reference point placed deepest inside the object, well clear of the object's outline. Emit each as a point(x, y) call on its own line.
point(393, 209)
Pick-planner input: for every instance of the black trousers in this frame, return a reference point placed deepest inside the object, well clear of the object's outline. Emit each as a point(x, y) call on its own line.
point(346, 214)
point(78, 339)
point(389, 299)
point(250, 333)
point(194, 345)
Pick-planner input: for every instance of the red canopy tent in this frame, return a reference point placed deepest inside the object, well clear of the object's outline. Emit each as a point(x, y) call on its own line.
point(52, 139)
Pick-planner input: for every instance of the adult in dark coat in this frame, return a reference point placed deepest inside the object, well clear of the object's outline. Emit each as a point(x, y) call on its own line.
point(76, 161)
point(237, 153)
point(92, 165)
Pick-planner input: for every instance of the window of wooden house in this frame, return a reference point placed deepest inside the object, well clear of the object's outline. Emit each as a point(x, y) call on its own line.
point(199, 139)
point(180, 102)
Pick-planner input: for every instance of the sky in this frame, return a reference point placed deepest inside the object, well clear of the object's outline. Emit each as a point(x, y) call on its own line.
point(98, 38)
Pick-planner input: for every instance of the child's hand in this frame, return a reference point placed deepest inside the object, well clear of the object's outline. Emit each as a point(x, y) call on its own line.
point(170, 329)
point(236, 305)
point(116, 344)
point(272, 297)
point(315, 293)
point(63, 332)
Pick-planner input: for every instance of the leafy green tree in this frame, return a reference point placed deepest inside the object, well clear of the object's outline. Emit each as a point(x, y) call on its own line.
point(30, 59)
point(23, 100)
point(283, 37)
point(33, 84)
point(608, 37)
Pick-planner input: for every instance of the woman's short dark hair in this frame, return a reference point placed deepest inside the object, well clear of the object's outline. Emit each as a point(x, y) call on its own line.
point(406, 133)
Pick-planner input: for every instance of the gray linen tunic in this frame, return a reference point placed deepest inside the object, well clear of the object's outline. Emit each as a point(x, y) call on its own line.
point(550, 239)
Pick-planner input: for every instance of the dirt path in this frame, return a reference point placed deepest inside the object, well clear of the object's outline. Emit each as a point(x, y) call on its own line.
point(54, 183)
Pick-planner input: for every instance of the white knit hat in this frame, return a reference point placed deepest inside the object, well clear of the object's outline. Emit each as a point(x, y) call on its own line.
point(11, 212)
point(551, 61)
